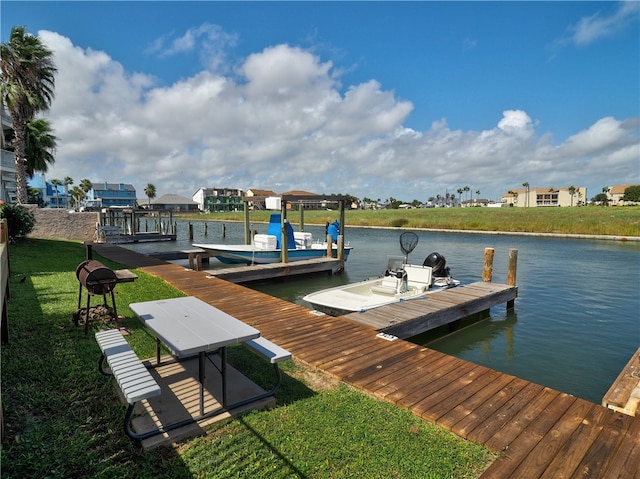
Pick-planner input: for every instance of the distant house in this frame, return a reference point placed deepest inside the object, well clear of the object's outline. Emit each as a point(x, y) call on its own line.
point(174, 203)
point(547, 196)
point(260, 195)
point(52, 196)
point(113, 194)
point(321, 204)
point(218, 199)
point(616, 193)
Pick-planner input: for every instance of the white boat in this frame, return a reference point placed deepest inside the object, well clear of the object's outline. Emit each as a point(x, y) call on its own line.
point(266, 248)
point(400, 282)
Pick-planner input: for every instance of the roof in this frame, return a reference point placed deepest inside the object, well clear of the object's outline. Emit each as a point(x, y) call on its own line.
point(170, 199)
point(256, 192)
point(618, 189)
point(103, 185)
point(298, 193)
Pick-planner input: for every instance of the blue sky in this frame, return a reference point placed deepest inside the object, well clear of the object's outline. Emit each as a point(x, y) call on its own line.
point(375, 99)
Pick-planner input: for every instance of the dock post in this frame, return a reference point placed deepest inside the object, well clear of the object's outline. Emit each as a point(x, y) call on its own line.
point(487, 271)
point(284, 244)
point(329, 246)
point(341, 247)
point(206, 227)
point(511, 274)
point(248, 237)
point(190, 232)
point(301, 206)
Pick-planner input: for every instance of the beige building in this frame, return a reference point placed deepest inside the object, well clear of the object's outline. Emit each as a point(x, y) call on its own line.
point(548, 196)
point(615, 195)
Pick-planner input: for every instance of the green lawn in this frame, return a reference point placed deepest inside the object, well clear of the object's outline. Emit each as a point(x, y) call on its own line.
point(63, 419)
point(616, 221)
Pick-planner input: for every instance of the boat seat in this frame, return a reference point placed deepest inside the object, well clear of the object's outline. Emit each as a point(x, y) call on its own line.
point(389, 285)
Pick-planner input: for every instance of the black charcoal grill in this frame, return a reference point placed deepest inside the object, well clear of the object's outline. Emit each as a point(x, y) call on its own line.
point(98, 280)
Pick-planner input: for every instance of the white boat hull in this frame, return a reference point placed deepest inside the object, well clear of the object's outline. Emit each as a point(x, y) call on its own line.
point(249, 254)
point(373, 293)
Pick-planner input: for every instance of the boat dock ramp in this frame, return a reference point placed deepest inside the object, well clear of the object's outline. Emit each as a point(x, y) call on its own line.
point(539, 432)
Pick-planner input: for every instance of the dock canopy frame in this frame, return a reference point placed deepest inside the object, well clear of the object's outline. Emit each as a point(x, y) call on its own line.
point(300, 200)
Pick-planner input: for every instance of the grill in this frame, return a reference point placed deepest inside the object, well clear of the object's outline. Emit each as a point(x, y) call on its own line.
point(98, 280)
point(96, 277)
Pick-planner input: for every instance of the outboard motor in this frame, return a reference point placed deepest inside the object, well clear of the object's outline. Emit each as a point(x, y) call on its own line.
point(438, 265)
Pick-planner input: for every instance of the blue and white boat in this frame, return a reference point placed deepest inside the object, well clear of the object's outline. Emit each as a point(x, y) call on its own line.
point(266, 248)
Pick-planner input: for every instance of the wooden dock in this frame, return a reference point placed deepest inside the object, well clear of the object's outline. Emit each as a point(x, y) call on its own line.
point(624, 394)
point(540, 432)
point(410, 318)
point(257, 272)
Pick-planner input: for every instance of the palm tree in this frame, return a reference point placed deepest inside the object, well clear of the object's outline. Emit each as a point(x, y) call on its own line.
point(67, 182)
point(40, 146)
point(86, 185)
point(477, 195)
point(56, 182)
point(572, 191)
point(150, 191)
point(605, 192)
point(77, 195)
point(526, 185)
point(28, 79)
point(460, 190)
point(465, 189)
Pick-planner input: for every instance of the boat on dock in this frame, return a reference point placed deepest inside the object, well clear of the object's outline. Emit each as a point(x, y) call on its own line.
point(267, 248)
point(401, 281)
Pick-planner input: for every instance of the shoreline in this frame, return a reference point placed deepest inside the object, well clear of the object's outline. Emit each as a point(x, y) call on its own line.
point(620, 238)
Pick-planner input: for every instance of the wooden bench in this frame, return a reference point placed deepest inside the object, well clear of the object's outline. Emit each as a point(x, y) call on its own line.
point(134, 380)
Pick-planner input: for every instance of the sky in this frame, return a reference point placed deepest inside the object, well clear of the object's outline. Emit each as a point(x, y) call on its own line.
point(379, 100)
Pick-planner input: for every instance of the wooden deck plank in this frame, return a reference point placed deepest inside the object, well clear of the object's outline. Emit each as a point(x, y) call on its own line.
point(539, 458)
point(518, 450)
point(429, 388)
point(572, 452)
point(411, 385)
point(471, 419)
point(537, 407)
point(459, 394)
point(449, 396)
point(627, 456)
point(542, 432)
point(596, 460)
point(493, 423)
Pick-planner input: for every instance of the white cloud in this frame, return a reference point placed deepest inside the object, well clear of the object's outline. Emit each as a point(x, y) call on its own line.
point(282, 122)
point(209, 41)
point(594, 27)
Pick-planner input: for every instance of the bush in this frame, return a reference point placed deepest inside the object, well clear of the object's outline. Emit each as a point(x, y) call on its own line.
point(20, 220)
point(398, 222)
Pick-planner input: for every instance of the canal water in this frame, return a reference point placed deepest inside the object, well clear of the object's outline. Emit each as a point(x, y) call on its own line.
point(576, 321)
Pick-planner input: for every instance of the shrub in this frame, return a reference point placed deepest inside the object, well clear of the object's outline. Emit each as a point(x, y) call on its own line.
point(20, 220)
point(398, 222)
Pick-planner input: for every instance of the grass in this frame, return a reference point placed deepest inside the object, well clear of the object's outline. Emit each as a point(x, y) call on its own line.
point(616, 221)
point(63, 419)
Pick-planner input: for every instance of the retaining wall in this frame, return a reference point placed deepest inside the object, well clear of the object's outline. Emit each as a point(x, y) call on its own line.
point(52, 223)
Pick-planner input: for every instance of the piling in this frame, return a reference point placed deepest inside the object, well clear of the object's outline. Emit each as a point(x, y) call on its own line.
point(511, 273)
point(487, 270)
point(190, 232)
